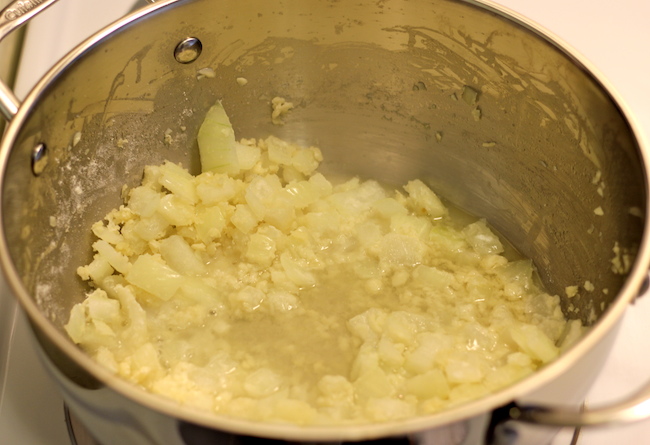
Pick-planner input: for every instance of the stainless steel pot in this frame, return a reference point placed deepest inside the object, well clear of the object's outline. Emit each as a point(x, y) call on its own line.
point(493, 112)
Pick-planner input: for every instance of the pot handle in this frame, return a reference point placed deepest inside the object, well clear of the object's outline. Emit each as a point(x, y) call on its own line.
point(635, 407)
point(12, 17)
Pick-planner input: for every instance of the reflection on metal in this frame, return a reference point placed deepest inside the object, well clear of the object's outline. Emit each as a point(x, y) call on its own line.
point(630, 409)
point(18, 12)
point(188, 50)
point(39, 159)
point(10, 48)
point(452, 434)
point(11, 18)
point(79, 435)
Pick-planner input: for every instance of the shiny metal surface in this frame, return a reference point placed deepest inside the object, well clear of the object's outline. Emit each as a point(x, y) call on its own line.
point(634, 408)
point(188, 50)
point(390, 79)
point(15, 14)
point(79, 435)
point(10, 48)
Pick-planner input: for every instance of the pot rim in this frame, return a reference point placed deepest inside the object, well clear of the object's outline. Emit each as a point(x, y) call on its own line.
point(608, 321)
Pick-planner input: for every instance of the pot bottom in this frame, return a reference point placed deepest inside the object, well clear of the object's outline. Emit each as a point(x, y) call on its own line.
point(456, 435)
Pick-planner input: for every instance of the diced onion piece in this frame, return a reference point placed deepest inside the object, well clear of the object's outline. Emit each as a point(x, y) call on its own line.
point(296, 411)
point(215, 188)
point(154, 276)
point(373, 383)
point(357, 198)
point(118, 261)
point(423, 200)
point(295, 272)
point(197, 290)
point(534, 342)
point(368, 324)
point(335, 390)
point(110, 234)
point(321, 184)
point(260, 194)
point(216, 140)
point(423, 358)
point(151, 228)
point(177, 211)
point(145, 364)
point(402, 326)
point(383, 409)
point(280, 151)
point(262, 382)
point(244, 219)
point(306, 160)
point(415, 226)
point(463, 369)
point(302, 193)
point(260, 250)
point(388, 207)
point(102, 308)
point(401, 250)
point(106, 358)
point(76, 325)
point(281, 301)
point(432, 278)
point(574, 331)
point(210, 222)
point(391, 353)
point(482, 239)
point(247, 155)
point(98, 269)
point(144, 201)
point(178, 181)
point(135, 314)
point(429, 384)
point(181, 257)
point(282, 213)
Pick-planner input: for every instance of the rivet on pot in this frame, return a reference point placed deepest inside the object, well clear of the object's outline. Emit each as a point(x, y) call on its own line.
point(188, 50)
point(39, 159)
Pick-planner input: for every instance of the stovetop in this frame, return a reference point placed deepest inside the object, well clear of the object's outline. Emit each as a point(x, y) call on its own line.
point(614, 37)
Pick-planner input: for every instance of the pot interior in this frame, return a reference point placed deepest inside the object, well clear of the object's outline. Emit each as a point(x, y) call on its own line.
point(495, 117)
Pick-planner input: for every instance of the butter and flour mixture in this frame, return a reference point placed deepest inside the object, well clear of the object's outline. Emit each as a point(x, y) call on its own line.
point(262, 289)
